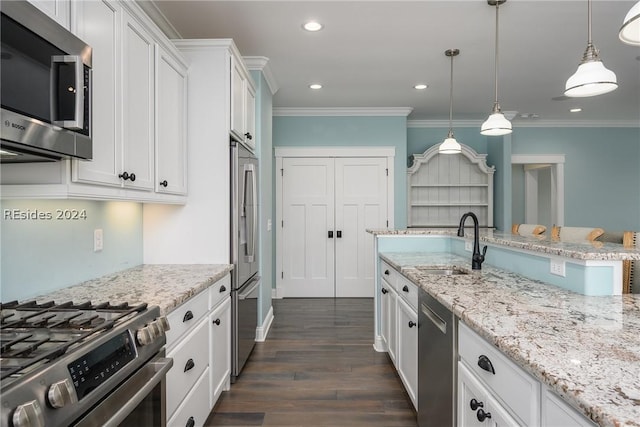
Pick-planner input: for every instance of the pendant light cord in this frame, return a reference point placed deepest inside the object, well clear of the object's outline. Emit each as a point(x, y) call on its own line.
point(589, 41)
point(496, 64)
point(451, 100)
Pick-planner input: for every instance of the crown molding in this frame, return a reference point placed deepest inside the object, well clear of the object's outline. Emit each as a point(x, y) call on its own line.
point(261, 63)
point(529, 124)
point(154, 13)
point(343, 111)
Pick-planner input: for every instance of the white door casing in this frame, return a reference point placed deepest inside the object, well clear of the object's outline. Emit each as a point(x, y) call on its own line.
point(354, 184)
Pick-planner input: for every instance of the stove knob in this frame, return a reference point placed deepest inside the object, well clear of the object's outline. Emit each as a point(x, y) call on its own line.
point(145, 336)
point(28, 415)
point(156, 329)
point(164, 323)
point(61, 394)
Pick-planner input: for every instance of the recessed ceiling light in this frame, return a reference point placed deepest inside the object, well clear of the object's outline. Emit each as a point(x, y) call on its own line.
point(312, 26)
point(315, 86)
point(420, 86)
point(575, 110)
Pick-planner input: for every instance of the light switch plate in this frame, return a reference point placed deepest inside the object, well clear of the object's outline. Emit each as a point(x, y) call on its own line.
point(98, 240)
point(558, 267)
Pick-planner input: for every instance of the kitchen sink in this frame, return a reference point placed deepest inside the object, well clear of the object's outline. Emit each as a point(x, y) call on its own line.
point(442, 271)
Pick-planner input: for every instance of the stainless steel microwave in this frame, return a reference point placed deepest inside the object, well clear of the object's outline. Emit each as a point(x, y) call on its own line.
point(46, 88)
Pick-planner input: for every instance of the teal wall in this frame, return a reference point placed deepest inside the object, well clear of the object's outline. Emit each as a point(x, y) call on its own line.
point(499, 155)
point(42, 255)
point(264, 150)
point(341, 131)
point(602, 172)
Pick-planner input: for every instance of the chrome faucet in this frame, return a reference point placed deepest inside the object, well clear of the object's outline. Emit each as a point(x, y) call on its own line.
point(477, 258)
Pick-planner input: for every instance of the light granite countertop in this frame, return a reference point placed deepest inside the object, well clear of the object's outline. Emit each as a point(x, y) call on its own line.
point(166, 285)
point(585, 348)
point(583, 250)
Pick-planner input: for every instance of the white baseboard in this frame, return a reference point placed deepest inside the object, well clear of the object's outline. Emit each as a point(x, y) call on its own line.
point(263, 331)
point(379, 345)
point(275, 293)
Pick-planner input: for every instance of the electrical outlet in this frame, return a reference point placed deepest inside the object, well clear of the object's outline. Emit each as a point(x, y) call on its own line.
point(468, 246)
point(98, 240)
point(558, 267)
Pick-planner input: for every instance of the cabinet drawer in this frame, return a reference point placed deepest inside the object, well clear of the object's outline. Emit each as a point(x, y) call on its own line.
point(219, 290)
point(408, 291)
point(190, 359)
point(389, 274)
point(511, 384)
point(186, 317)
point(195, 405)
point(557, 413)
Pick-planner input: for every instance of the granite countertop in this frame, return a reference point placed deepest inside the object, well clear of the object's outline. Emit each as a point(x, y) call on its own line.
point(167, 285)
point(584, 250)
point(585, 348)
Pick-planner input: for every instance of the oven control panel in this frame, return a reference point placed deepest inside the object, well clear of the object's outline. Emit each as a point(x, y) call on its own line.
point(101, 363)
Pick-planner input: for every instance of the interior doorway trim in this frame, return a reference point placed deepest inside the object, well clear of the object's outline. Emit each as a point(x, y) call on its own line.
point(556, 162)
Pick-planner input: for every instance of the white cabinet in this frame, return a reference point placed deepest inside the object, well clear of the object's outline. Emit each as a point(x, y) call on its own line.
point(199, 342)
point(58, 10)
point(441, 188)
point(138, 106)
point(243, 103)
point(407, 357)
point(556, 413)
point(388, 309)
point(171, 120)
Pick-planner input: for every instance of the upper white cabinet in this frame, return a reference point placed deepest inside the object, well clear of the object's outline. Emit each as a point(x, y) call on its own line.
point(442, 187)
point(138, 116)
point(243, 103)
point(59, 10)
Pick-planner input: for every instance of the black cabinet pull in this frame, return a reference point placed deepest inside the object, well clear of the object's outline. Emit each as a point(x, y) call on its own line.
point(187, 316)
point(483, 415)
point(126, 176)
point(222, 289)
point(190, 422)
point(217, 322)
point(189, 365)
point(405, 288)
point(384, 291)
point(386, 272)
point(475, 404)
point(339, 234)
point(248, 135)
point(164, 183)
point(485, 363)
point(412, 323)
point(330, 234)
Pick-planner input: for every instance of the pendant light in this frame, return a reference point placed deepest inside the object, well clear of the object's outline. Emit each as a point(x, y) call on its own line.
point(592, 78)
point(450, 145)
point(496, 124)
point(630, 31)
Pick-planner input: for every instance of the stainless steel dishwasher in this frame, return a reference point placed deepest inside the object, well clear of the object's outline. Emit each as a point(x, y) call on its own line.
point(437, 350)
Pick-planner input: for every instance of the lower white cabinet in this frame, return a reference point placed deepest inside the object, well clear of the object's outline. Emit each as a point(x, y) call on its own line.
point(388, 308)
point(556, 413)
point(199, 342)
point(407, 356)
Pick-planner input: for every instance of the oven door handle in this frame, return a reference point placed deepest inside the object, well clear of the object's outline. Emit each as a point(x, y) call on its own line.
point(129, 395)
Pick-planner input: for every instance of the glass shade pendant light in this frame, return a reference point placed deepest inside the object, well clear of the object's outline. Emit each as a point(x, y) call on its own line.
point(450, 145)
point(591, 78)
point(496, 124)
point(630, 31)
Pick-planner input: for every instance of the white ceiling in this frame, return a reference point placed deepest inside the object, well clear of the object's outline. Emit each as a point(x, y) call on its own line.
point(371, 53)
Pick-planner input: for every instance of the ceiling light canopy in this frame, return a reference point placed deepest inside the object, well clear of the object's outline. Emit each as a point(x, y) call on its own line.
point(592, 77)
point(497, 124)
point(315, 86)
point(630, 30)
point(312, 26)
point(420, 86)
point(450, 145)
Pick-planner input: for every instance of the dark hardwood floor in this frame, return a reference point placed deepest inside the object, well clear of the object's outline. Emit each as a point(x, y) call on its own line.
point(317, 368)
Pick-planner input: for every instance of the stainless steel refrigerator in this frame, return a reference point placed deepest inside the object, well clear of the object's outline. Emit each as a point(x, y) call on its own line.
point(245, 281)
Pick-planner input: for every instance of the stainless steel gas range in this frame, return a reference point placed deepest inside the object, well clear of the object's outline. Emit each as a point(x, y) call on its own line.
point(82, 364)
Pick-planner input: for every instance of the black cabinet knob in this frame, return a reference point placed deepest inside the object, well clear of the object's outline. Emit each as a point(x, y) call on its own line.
point(216, 322)
point(339, 234)
point(405, 288)
point(412, 323)
point(164, 183)
point(127, 176)
point(222, 289)
point(384, 291)
point(187, 316)
point(475, 404)
point(132, 177)
point(485, 363)
point(483, 415)
point(189, 365)
point(330, 234)
point(386, 272)
point(249, 136)
point(190, 422)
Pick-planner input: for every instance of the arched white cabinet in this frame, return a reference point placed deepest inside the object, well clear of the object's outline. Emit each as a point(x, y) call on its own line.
point(442, 187)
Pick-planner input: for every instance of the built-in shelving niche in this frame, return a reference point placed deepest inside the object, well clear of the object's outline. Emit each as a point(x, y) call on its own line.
point(442, 187)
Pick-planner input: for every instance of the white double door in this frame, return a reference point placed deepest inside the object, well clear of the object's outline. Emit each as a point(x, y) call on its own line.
point(327, 205)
